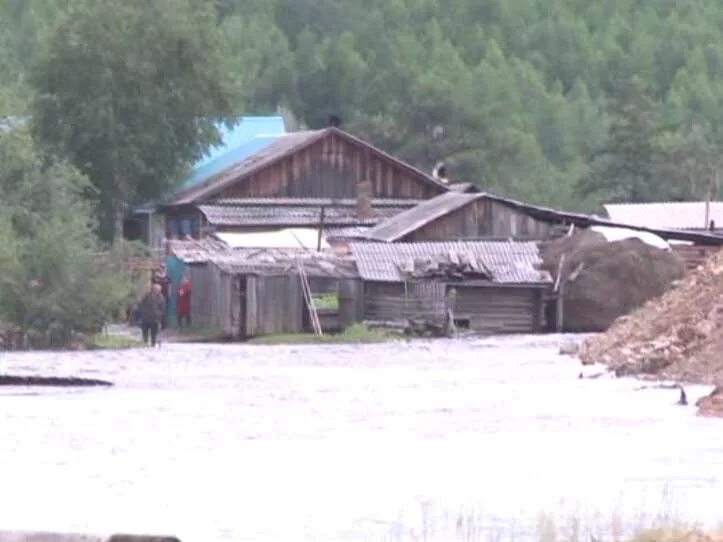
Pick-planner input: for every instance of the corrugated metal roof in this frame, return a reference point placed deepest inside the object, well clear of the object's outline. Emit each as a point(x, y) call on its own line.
point(292, 215)
point(510, 262)
point(269, 149)
point(248, 135)
point(278, 149)
point(245, 129)
point(411, 220)
point(264, 260)
point(688, 215)
point(346, 232)
point(277, 262)
point(194, 251)
point(317, 202)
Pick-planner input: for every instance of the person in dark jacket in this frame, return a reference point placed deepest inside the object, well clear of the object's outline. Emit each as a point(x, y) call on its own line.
point(152, 309)
point(160, 277)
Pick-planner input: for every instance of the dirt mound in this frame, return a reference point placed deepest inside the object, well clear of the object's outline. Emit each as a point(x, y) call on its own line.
point(711, 405)
point(604, 280)
point(674, 337)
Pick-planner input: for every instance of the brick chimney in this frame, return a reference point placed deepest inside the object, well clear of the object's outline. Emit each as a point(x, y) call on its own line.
point(364, 195)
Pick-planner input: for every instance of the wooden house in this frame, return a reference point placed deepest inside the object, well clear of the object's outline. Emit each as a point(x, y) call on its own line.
point(312, 177)
point(455, 216)
point(490, 287)
point(464, 215)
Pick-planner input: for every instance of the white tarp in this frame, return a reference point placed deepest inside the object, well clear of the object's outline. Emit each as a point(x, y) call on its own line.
point(307, 238)
point(618, 234)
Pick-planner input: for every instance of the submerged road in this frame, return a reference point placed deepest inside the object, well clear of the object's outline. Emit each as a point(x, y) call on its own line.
point(467, 440)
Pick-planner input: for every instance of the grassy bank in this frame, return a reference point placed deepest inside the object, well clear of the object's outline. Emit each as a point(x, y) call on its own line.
point(104, 341)
point(194, 334)
point(355, 334)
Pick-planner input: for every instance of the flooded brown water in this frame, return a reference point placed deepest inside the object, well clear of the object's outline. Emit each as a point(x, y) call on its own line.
point(442, 440)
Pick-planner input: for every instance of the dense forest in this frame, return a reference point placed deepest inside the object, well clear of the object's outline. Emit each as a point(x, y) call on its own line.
point(563, 102)
point(525, 97)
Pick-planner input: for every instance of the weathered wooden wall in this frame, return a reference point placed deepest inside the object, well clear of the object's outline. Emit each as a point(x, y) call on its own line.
point(387, 301)
point(489, 309)
point(331, 168)
point(483, 219)
point(351, 302)
point(213, 298)
point(493, 310)
point(274, 305)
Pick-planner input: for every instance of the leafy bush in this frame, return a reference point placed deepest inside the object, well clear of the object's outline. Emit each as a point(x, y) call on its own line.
point(326, 301)
point(55, 279)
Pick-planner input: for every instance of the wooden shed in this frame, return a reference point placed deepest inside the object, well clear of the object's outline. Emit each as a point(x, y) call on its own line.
point(243, 303)
point(495, 287)
point(250, 292)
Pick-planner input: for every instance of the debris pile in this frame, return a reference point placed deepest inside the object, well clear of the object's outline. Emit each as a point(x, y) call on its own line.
point(450, 266)
point(711, 405)
point(675, 336)
point(603, 280)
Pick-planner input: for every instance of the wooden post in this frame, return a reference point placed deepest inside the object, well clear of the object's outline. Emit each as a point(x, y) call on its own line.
point(558, 278)
point(560, 308)
point(321, 228)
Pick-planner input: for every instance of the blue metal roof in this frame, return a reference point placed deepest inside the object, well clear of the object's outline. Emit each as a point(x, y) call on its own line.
point(249, 135)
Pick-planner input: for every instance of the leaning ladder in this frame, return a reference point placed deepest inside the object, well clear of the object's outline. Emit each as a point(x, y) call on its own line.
point(306, 289)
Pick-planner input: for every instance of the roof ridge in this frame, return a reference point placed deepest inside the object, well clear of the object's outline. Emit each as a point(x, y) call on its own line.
point(265, 157)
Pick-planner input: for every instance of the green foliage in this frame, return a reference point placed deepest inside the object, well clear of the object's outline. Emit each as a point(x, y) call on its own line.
point(326, 301)
point(129, 92)
point(106, 341)
point(624, 168)
point(563, 102)
point(54, 280)
point(356, 333)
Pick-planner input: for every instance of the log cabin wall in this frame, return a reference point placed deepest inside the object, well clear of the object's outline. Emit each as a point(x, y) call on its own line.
point(483, 219)
point(351, 302)
point(331, 168)
point(493, 310)
point(488, 309)
point(390, 301)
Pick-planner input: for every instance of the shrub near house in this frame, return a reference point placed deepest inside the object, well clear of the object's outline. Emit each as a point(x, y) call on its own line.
point(53, 281)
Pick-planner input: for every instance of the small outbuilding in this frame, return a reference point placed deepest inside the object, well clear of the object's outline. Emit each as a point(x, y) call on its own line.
point(246, 292)
point(486, 286)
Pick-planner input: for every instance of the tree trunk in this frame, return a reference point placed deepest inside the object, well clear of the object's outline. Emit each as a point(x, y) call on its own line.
point(118, 217)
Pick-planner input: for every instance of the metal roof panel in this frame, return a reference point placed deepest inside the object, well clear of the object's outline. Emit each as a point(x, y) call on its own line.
point(510, 262)
point(684, 215)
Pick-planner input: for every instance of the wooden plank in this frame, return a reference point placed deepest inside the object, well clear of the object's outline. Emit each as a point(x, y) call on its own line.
point(252, 309)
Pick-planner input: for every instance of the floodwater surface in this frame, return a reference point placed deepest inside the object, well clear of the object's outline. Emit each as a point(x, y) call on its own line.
point(441, 440)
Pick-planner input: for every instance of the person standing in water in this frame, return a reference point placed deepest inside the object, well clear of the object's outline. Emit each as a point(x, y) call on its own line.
point(152, 310)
